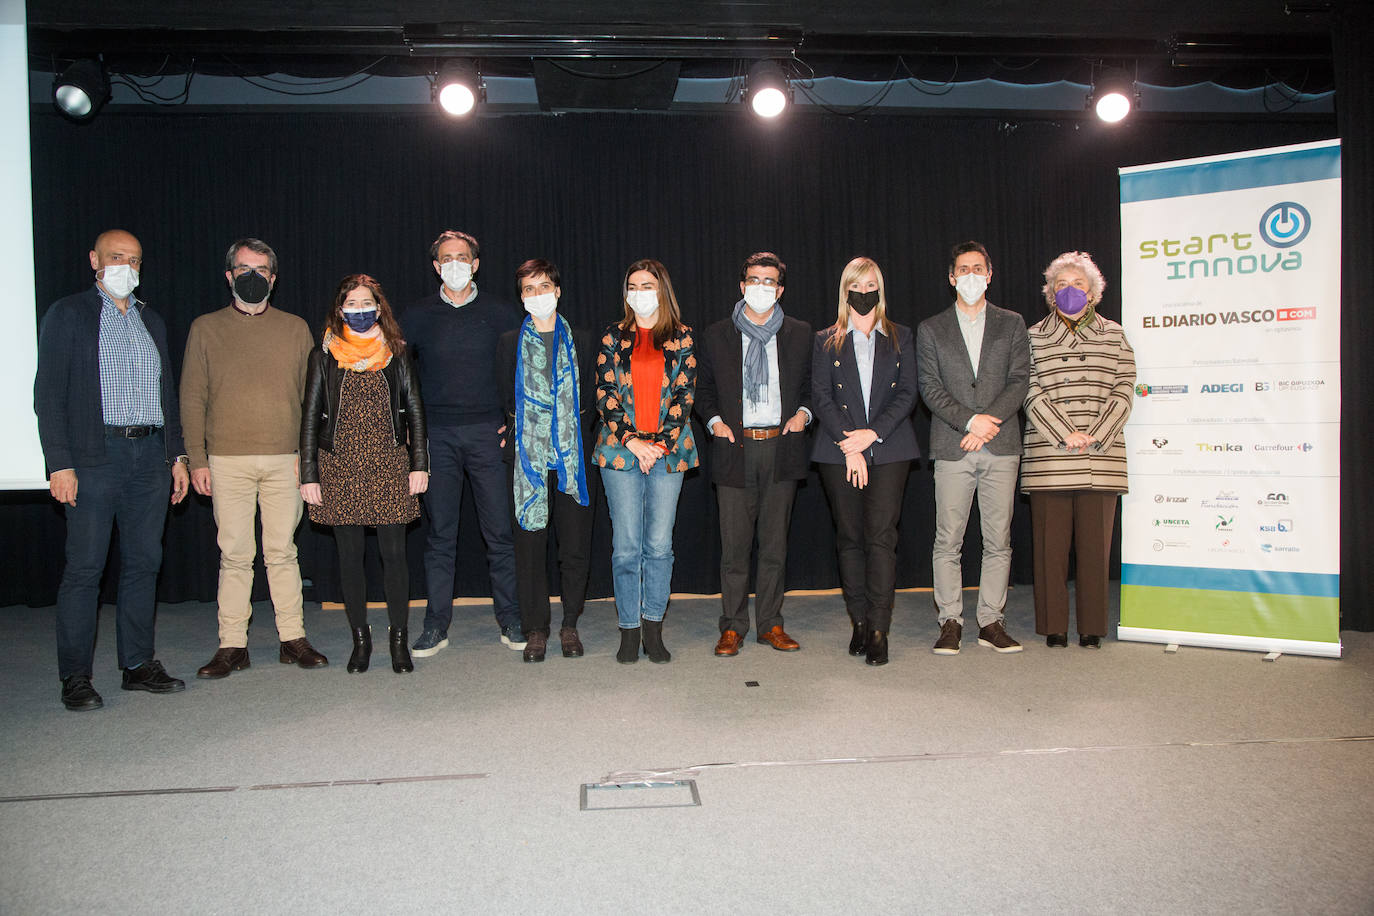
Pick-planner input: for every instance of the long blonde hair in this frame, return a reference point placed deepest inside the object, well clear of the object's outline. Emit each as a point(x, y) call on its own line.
point(852, 272)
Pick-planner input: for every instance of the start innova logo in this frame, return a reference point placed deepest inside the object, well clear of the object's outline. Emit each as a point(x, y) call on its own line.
point(1229, 251)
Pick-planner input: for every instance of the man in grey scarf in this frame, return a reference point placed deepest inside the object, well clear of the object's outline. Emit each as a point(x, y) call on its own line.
point(753, 388)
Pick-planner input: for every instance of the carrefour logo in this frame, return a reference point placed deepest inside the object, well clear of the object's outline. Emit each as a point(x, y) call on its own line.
point(1285, 224)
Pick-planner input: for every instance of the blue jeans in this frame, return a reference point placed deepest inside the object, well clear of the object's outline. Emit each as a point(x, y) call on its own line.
point(132, 489)
point(473, 450)
point(643, 510)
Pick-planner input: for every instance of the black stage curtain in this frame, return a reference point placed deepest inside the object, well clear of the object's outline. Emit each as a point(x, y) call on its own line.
point(1354, 108)
point(336, 193)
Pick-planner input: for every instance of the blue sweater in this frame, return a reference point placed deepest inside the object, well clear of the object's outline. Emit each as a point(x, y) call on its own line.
point(66, 390)
point(454, 350)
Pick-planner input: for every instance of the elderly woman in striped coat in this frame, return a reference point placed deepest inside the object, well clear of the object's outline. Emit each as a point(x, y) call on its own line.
point(1081, 385)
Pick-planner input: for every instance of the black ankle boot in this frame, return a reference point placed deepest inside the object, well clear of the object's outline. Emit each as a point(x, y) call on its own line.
point(629, 646)
point(400, 651)
point(858, 643)
point(362, 650)
point(653, 642)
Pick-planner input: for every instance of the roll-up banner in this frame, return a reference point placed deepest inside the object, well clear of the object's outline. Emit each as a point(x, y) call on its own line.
point(1231, 281)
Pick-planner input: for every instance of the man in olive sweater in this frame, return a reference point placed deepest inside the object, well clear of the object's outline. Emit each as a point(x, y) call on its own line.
point(242, 384)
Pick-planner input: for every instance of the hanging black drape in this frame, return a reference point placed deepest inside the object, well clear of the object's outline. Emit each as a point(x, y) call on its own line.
point(1354, 108)
point(336, 193)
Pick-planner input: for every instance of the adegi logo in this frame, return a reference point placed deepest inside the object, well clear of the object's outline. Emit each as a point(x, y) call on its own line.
point(1224, 388)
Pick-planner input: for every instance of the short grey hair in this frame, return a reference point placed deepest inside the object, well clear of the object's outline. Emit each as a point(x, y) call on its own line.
point(257, 245)
point(1076, 259)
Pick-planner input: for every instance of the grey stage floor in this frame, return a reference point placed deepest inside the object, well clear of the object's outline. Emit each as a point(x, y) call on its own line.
point(1120, 781)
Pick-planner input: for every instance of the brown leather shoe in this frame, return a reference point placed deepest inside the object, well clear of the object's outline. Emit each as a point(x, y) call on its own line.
point(729, 643)
point(300, 652)
point(224, 662)
point(779, 640)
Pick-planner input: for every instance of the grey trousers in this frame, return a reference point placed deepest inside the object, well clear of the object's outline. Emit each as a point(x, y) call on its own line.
point(993, 478)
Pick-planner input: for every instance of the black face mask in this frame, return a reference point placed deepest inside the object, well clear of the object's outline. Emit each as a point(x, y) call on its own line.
point(863, 303)
point(251, 288)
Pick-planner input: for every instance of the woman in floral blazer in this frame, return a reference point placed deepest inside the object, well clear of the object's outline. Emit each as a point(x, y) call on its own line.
point(646, 380)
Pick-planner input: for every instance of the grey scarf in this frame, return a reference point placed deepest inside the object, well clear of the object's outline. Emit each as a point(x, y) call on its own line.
point(756, 356)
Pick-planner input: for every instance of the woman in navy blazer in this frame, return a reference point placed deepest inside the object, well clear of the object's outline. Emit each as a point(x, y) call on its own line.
point(863, 388)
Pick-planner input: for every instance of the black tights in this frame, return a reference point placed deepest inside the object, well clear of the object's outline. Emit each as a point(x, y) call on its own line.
point(395, 573)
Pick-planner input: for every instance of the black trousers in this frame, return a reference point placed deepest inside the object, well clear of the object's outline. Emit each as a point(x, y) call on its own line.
point(763, 506)
point(348, 539)
point(572, 526)
point(866, 538)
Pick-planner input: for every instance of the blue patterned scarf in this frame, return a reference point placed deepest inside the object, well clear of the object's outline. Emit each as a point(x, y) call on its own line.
point(548, 429)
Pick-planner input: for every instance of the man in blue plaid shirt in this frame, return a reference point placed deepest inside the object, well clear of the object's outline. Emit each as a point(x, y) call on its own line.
point(109, 426)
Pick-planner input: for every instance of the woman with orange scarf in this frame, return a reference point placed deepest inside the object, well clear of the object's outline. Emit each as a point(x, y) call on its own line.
point(363, 454)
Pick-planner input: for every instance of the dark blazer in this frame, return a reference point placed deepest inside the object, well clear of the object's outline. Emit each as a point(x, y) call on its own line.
point(320, 416)
point(66, 389)
point(954, 395)
point(838, 400)
point(584, 347)
point(720, 392)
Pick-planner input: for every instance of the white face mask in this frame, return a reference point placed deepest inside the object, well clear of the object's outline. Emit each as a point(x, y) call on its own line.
point(760, 298)
point(456, 274)
point(643, 302)
point(119, 280)
point(971, 287)
point(542, 305)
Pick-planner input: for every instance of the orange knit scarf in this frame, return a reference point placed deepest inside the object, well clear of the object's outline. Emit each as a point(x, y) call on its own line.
point(361, 354)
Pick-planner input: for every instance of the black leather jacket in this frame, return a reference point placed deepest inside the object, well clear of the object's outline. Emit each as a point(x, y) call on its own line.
point(323, 388)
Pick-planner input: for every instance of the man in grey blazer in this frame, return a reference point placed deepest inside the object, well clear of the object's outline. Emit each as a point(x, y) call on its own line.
point(974, 366)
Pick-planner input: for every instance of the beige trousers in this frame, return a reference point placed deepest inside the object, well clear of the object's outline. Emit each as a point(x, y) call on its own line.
point(240, 486)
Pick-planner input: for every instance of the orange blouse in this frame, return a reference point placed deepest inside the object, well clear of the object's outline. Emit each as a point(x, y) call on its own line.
point(646, 375)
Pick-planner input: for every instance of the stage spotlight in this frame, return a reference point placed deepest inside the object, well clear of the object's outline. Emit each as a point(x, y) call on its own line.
point(767, 90)
point(458, 87)
point(1113, 94)
point(80, 90)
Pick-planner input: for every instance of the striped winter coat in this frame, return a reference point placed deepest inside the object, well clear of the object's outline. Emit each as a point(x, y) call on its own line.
point(1083, 382)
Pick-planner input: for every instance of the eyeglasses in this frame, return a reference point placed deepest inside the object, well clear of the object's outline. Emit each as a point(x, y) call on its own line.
point(965, 270)
point(760, 281)
point(265, 272)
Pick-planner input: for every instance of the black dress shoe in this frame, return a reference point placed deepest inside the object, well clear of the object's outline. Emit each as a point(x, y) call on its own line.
point(1090, 642)
point(78, 694)
point(152, 677)
point(224, 662)
point(858, 643)
point(1057, 640)
point(877, 648)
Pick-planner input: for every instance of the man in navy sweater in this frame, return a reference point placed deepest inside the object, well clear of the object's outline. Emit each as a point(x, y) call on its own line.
point(452, 336)
point(109, 426)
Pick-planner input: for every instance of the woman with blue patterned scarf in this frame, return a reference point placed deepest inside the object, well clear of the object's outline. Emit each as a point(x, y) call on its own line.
point(547, 388)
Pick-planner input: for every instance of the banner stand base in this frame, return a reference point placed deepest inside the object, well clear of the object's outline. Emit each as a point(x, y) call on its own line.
point(1172, 639)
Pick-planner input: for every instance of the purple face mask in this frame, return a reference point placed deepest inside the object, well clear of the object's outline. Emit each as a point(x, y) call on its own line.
point(1071, 300)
